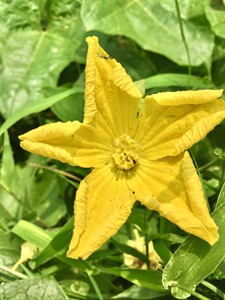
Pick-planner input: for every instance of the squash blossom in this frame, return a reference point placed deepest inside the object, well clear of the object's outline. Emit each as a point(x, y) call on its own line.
point(136, 152)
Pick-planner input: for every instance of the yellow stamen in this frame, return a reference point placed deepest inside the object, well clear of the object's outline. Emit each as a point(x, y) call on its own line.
point(125, 154)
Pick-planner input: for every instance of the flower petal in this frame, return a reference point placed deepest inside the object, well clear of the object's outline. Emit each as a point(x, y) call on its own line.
point(187, 97)
point(52, 140)
point(71, 142)
point(168, 130)
point(102, 206)
point(93, 146)
point(172, 187)
point(109, 91)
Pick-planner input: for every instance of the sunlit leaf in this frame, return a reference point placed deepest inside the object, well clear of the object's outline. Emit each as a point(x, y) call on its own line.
point(32, 62)
point(216, 20)
point(20, 14)
point(153, 25)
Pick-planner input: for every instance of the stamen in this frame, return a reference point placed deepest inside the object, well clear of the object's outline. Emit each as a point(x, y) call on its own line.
point(125, 155)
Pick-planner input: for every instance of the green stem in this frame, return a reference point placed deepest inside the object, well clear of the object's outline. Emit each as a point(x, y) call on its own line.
point(56, 171)
point(146, 240)
point(199, 296)
point(199, 174)
point(193, 293)
point(214, 289)
point(94, 283)
point(184, 41)
point(12, 272)
point(208, 165)
point(223, 173)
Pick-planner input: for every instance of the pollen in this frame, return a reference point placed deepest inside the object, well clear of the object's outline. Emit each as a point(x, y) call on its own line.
point(125, 155)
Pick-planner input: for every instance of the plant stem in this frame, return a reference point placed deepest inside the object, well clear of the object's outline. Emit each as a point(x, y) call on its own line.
point(213, 288)
point(56, 171)
point(208, 165)
point(184, 41)
point(94, 283)
point(193, 293)
point(146, 240)
point(12, 272)
point(223, 173)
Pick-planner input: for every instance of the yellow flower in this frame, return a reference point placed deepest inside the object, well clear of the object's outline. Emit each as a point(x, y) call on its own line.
point(137, 153)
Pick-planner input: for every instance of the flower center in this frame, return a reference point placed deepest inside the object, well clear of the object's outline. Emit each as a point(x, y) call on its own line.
point(125, 154)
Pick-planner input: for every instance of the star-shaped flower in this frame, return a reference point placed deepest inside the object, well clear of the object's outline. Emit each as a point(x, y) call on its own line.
point(137, 152)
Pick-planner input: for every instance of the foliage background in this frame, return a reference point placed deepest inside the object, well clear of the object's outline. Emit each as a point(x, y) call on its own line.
point(43, 53)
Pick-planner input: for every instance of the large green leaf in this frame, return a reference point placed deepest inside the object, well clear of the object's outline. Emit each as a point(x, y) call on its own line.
point(39, 42)
point(32, 62)
point(36, 288)
point(64, 18)
point(20, 14)
point(195, 260)
point(154, 26)
point(216, 20)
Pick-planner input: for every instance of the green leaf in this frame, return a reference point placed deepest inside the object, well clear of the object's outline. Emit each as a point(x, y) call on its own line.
point(146, 278)
point(32, 288)
point(44, 196)
point(162, 250)
point(221, 197)
point(32, 62)
point(20, 14)
point(14, 204)
point(216, 19)
point(154, 26)
point(32, 233)
point(35, 107)
point(140, 293)
point(194, 260)
point(9, 249)
point(70, 109)
point(57, 244)
point(7, 165)
point(219, 273)
point(173, 79)
point(64, 18)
